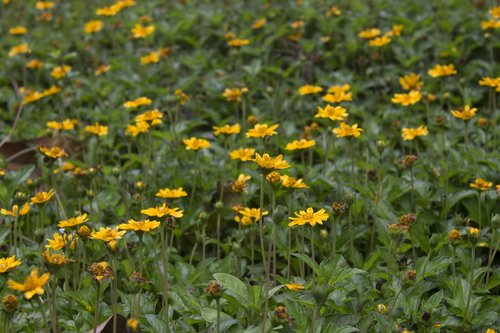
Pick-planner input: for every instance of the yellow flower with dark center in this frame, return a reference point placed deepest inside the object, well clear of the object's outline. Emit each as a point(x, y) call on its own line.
point(237, 42)
point(42, 197)
point(466, 114)
point(102, 69)
point(18, 30)
point(481, 184)
point(345, 130)
point(309, 216)
point(292, 182)
point(271, 163)
point(100, 270)
point(96, 129)
point(9, 263)
point(73, 221)
point(167, 193)
point(259, 23)
point(380, 41)
point(194, 143)
point(409, 134)
point(138, 128)
point(411, 82)
point(234, 94)
point(295, 286)
point(152, 57)
point(160, 211)
point(19, 49)
point(262, 130)
point(57, 259)
point(309, 90)
point(32, 285)
point(15, 210)
point(140, 31)
point(300, 144)
point(52, 152)
point(60, 71)
point(44, 5)
point(60, 242)
point(407, 99)
point(331, 112)
point(226, 129)
point(107, 234)
point(442, 70)
point(242, 154)
point(274, 177)
point(91, 27)
point(137, 102)
point(34, 63)
point(240, 184)
point(369, 33)
point(144, 226)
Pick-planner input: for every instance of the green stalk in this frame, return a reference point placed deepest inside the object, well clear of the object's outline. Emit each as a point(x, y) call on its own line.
point(471, 282)
point(218, 314)
point(96, 313)
point(453, 270)
point(261, 228)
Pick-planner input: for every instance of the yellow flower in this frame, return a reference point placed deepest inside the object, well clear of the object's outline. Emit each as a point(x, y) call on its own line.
point(33, 64)
point(132, 325)
point(226, 129)
point(42, 197)
point(295, 286)
point(237, 42)
point(332, 112)
point(96, 129)
point(196, 143)
point(481, 184)
point(442, 70)
point(44, 5)
point(466, 114)
point(272, 163)
point(19, 49)
point(145, 225)
point(18, 30)
point(346, 130)
point(163, 210)
point(60, 71)
point(242, 154)
point(15, 210)
point(292, 182)
point(407, 99)
point(339, 88)
point(138, 128)
point(309, 216)
point(91, 27)
point(171, 193)
point(300, 144)
point(381, 308)
point(181, 96)
point(53, 152)
point(262, 130)
point(107, 234)
point(474, 232)
point(108, 11)
point(240, 184)
point(6, 264)
point(152, 57)
point(380, 41)
point(259, 23)
point(102, 69)
point(140, 31)
point(490, 82)
point(56, 258)
point(409, 134)
point(32, 285)
point(137, 102)
point(490, 24)
point(309, 90)
point(333, 10)
point(411, 82)
point(249, 215)
point(100, 270)
point(337, 96)
point(154, 116)
point(60, 242)
point(369, 33)
point(297, 24)
point(491, 330)
point(273, 177)
point(73, 221)
point(395, 30)
point(234, 94)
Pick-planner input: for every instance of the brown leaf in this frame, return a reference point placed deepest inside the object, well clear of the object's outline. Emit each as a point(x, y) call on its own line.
point(107, 325)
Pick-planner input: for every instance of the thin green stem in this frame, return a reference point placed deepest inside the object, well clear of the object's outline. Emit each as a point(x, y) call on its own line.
point(261, 228)
point(96, 313)
point(471, 282)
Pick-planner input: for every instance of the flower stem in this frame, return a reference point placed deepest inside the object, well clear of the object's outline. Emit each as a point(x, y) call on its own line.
point(42, 311)
point(96, 313)
point(218, 315)
point(261, 228)
point(471, 281)
point(453, 270)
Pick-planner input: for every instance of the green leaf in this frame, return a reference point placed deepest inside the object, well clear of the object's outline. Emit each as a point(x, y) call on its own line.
point(234, 286)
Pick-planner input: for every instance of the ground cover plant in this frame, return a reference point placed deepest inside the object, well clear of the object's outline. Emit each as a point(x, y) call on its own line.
point(249, 166)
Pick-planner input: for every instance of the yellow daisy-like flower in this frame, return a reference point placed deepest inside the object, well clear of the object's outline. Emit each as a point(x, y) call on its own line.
point(411, 82)
point(44, 5)
point(332, 112)
point(272, 163)
point(100, 270)
point(144, 226)
point(73, 221)
point(34, 64)
point(337, 97)
point(19, 49)
point(108, 11)
point(138, 128)
point(466, 114)
point(15, 210)
point(339, 88)
point(380, 41)
point(57, 259)
point(163, 210)
point(395, 30)
point(309, 216)
point(18, 30)
point(102, 69)
point(407, 99)
point(182, 97)
point(262, 130)
point(409, 134)
point(333, 10)
point(91, 27)
point(369, 33)
point(300, 144)
point(345, 130)
point(60, 71)
point(9, 263)
point(154, 116)
point(194, 143)
point(292, 182)
point(442, 70)
point(152, 57)
point(490, 82)
point(167, 193)
point(139, 31)
point(227, 129)
point(237, 42)
point(107, 234)
point(481, 184)
point(240, 184)
point(295, 286)
point(490, 24)
point(137, 102)
point(249, 215)
point(234, 94)
point(65, 125)
point(96, 129)
point(242, 154)
point(309, 90)
point(42, 197)
point(259, 23)
point(60, 242)
point(53, 152)
point(32, 285)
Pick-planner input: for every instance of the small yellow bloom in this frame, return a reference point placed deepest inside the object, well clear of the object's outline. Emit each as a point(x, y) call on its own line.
point(9, 263)
point(226, 129)
point(234, 94)
point(442, 70)
point(295, 286)
point(474, 232)
point(345, 130)
point(491, 330)
point(333, 10)
point(42, 197)
point(152, 57)
point(102, 69)
point(153, 116)
point(481, 184)
point(490, 24)
point(332, 112)
point(19, 49)
point(60, 242)
point(140, 31)
point(411, 82)
point(292, 182)
point(18, 30)
point(249, 215)
point(395, 30)
point(107, 234)
point(15, 210)
point(137, 102)
point(337, 97)
point(132, 325)
point(407, 99)
point(466, 114)
point(490, 82)
point(262, 130)
point(163, 210)
point(409, 134)
point(138, 128)
point(237, 42)
point(96, 129)
point(240, 184)
point(44, 5)
point(369, 33)
point(309, 216)
point(300, 144)
point(381, 308)
point(53, 152)
point(297, 24)
point(32, 285)
point(60, 71)
point(73, 221)
point(91, 27)
point(309, 90)
point(34, 64)
point(336, 89)
point(272, 163)
point(259, 23)
point(167, 193)
point(194, 143)
point(57, 259)
point(182, 97)
point(100, 270)
point(380, 41)
point(144, 226)
point(108, 11)
point(242, 154)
